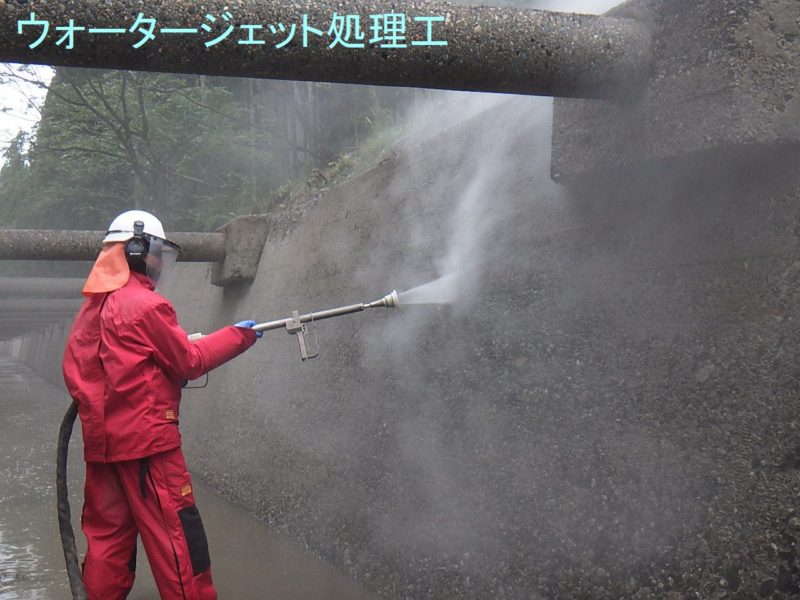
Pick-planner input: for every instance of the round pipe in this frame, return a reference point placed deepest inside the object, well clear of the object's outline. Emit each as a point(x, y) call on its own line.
point(488, 49)
point(43, 244)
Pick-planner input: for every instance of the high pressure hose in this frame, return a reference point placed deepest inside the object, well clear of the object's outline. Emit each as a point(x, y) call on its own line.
point(64, 514)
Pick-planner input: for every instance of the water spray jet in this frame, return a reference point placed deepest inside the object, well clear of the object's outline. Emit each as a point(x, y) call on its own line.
point(444, 290)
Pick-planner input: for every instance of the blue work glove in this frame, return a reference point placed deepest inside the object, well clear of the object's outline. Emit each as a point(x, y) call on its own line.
point(248, 325)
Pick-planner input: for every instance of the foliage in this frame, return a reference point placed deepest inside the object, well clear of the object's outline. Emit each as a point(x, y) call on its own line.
point(13, 177)
point(194, 150)
point(115, 140)
point(382, 132)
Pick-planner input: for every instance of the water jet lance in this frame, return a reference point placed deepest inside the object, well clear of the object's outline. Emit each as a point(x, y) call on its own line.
point(300, 325)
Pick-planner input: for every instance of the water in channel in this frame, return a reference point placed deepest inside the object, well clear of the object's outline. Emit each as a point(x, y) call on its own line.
point(249, 561)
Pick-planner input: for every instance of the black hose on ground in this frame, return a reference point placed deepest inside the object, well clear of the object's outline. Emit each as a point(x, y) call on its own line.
point(64, 514)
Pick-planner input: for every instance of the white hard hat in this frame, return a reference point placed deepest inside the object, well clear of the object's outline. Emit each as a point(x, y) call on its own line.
point(147, 249)
point(121, 228)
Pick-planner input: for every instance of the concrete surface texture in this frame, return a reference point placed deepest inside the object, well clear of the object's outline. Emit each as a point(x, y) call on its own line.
point(725, 75)
point(498, 49)
point(606, 409)
point(598, 397)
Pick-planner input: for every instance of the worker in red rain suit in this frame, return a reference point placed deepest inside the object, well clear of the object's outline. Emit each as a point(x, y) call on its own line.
point(125, 363)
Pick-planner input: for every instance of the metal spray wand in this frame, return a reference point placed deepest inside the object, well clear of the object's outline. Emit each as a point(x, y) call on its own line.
point(298, 324)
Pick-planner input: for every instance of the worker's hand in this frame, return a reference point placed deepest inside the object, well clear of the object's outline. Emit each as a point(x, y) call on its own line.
point(249, 325)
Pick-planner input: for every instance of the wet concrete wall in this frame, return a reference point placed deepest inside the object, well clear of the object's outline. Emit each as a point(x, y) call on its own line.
point(609, 410)
point(41, 349)
point(725, 74)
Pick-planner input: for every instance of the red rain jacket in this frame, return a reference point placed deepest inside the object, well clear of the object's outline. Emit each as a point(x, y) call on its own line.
point(124, 364)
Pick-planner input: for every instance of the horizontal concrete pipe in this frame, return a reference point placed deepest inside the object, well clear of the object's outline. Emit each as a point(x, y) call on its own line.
point(443, 45)
point(235, 248)
point(41, 244)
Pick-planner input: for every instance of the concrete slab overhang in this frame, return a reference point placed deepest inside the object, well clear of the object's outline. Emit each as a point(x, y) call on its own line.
point(40, 287)
point(725, 76)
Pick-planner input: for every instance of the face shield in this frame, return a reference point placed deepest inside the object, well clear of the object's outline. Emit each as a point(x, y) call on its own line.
point(160, 262)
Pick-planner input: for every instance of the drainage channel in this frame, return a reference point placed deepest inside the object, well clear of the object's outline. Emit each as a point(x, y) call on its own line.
point(249, 561)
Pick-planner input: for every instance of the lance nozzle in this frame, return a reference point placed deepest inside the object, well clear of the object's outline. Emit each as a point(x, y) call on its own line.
point(388, 301)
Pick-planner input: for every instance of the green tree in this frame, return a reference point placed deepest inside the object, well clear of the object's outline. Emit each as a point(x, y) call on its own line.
point(13, 177)
point(196, 150)
point(110, 140)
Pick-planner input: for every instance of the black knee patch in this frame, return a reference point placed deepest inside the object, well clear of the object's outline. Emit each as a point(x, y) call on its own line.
point(195, 538)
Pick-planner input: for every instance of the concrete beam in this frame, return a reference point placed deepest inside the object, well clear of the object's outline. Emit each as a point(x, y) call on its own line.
point(17, 324)
point(725, 77)
point(30, 323)
point(244, 242)
point(13, 326)
point(41, 244)
point(10, 334)
point(16, 307)
point(489, 49)
point(29, 317)
point(40, 287)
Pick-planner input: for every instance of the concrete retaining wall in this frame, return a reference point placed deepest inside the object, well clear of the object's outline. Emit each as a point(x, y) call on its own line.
point(609, 410)
point(41, 350)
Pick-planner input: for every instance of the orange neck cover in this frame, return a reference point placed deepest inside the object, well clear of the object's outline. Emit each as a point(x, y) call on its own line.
point(110, 271)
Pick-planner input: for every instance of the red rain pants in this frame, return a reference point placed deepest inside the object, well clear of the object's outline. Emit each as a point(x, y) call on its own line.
point(151, 497)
